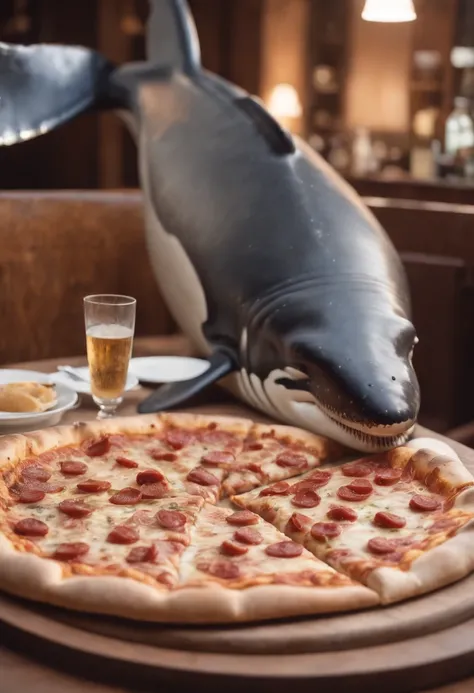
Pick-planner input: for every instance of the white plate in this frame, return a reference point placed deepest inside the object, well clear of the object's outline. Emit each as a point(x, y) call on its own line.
point(84, 387)
point(13, 421)
point(167, 369)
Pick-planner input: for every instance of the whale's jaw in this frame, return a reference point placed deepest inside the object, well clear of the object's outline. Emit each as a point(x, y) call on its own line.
point(300, 408)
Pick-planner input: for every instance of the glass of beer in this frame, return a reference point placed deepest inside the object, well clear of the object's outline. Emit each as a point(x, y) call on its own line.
point(110, 326)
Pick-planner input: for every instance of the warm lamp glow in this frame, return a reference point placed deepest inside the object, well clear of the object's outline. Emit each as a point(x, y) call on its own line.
point(389, 11)
point(284, 102)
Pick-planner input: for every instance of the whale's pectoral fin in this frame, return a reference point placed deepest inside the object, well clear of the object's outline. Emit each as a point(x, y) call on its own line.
point(44, 86)
point(172, 394)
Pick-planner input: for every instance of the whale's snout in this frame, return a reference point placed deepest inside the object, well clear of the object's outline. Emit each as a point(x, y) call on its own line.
point(367, 384)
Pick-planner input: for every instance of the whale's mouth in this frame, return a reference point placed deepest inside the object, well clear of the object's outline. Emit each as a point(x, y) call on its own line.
point(374, 435)
point(379, 441)
point(377, 437)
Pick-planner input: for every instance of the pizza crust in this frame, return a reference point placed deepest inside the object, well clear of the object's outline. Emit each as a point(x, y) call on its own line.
point(445, 564)
point(20, 446)
point(33, 577)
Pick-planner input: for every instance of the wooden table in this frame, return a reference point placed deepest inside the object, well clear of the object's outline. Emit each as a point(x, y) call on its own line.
point(19, 671)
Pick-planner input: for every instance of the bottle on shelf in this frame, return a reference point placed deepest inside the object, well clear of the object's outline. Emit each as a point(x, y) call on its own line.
point(459, 136)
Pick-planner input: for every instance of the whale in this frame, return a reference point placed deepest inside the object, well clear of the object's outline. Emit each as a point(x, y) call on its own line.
point(267, 259)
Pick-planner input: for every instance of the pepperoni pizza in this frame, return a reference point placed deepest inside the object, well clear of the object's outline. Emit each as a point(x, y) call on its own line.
point(139, 517)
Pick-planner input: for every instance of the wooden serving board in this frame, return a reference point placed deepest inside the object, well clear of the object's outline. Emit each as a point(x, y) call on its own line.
point(408, 647)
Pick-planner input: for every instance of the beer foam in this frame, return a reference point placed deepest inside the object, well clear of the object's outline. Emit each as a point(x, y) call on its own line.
point(110, 331)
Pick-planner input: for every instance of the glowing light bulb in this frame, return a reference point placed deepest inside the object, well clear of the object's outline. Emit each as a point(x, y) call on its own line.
point(389, 11)
point(284, 102)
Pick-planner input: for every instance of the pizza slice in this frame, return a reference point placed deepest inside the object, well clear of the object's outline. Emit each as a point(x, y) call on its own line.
point(275, 452)
point(89, 536)
point(400, 523)
point(253, 571)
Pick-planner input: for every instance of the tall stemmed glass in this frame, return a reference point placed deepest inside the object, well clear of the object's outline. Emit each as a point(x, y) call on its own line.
point(110, 327)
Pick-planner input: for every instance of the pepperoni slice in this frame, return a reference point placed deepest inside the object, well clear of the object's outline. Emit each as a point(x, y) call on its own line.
point(229, 548)
point(361, 486)
point(320, 477)
point(127, 496)
point(31, 495)
point(306, 499)
point(29, 527)
point(389, 520)
point(325, 530)
point(241, 518)
point(347, 494)
point(93, 486)
point(380, 545)
point(202, 477)
point(72, 468)
point(121, 534)
point(215, 437)
point(142, 517)
point(43, 486)
point(225, 570)
point(247, 535)
point(165, 456)
point(424, 504)
point(165, 578)
point(171, 519)
point(291, 459)
point(254, 446)
point(255, 467)
point(216, 457)
point(340, 513)
point(126, 462)
point(75, 508)
point(387, 477)
point(68, 552)
point(305, 485)
point(149, 476)
point(142, 554)
point(35, 472)
point(298, 522)
point(98, 448)
point(284, 549)
point(357, 469)
point(178, 439)
point(153, 491)
point(281, 488)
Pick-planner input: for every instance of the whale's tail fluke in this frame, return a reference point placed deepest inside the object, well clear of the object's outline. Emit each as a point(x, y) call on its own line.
point(44, 86)
point(172, 38)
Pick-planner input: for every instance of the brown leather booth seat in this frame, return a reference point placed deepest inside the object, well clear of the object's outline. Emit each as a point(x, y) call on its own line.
point(57, 247)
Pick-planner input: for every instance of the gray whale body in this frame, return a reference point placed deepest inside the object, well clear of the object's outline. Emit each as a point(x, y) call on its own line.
point(267, 259)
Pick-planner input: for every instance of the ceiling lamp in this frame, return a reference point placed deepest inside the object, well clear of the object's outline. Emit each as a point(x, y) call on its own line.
point(389, 11)
point(284, 102)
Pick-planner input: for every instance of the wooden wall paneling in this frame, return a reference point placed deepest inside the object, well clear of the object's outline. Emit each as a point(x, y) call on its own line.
point(244, 35)
point(115, 45)
point(428, 227)
point(284, 44)
point(437, 285)
point(209, 16)
point(66, 157)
